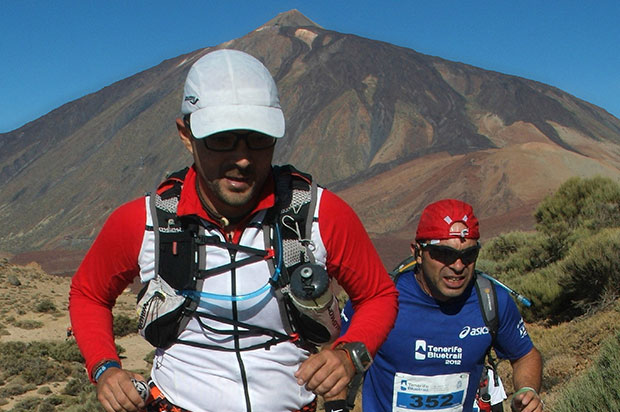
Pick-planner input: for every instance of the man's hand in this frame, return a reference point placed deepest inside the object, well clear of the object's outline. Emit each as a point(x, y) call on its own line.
point(527, 401)
point(117, 393)
point(527, 375)
point(326, 373)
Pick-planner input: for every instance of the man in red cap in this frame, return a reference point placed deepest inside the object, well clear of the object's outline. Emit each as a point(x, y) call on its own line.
point(433, 359)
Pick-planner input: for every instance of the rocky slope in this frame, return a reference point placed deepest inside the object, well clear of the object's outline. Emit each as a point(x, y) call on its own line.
point(387, 128)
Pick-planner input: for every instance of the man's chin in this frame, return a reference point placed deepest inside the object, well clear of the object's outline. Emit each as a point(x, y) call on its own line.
point(451, 293)
point(236, 199)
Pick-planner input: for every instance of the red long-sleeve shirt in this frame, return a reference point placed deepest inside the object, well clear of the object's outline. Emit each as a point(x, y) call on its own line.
point(112, 264)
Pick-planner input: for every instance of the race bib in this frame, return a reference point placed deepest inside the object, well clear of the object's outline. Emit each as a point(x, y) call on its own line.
point(429, 393)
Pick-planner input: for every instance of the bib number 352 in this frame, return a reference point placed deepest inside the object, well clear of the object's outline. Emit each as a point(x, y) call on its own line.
point(425, 393)
point(428, 402)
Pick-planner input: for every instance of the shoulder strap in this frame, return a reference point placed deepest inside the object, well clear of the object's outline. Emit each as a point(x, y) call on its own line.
point(288, 229)
point(160, 215)
point(293, 215)
point(405, 265)
point(487, 298)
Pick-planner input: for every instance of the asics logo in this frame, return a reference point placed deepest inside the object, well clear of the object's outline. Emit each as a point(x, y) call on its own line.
point(469, 331)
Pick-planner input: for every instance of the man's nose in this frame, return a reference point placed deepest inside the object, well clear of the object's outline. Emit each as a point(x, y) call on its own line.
point(242, 153)
point(458, 266)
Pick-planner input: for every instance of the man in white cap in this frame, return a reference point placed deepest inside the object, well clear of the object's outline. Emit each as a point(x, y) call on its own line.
point(219, 246)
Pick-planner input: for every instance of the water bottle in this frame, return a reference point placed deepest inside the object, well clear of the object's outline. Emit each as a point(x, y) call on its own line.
point(142, 388)
point(311, 293)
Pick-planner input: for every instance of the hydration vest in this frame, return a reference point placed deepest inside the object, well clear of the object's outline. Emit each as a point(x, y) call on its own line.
point(168, 302)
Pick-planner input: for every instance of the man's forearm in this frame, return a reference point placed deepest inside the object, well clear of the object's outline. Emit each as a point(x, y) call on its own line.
point(527, 371)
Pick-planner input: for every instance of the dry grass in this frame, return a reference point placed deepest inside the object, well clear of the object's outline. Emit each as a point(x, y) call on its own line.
point(34, 307)
point(568, 349)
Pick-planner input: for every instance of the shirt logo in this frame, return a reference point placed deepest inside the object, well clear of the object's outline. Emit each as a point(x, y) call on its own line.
point(522, 330)
point(451, 355)
point(420, 349)
point(469, 331)
point(191, 99)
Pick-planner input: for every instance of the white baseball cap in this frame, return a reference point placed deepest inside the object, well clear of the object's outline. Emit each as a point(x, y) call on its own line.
point(231, 90)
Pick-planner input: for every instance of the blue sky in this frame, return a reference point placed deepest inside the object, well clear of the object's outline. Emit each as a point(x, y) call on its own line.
point(53, 52)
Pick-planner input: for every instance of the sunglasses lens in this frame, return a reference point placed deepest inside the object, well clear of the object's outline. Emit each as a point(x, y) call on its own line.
point(227, 141)
point(441, 254)
point(469, 255)
point(448, 255)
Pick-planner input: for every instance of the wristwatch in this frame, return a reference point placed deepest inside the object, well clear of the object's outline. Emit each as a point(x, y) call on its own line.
point(359, 355)
point(361, 359)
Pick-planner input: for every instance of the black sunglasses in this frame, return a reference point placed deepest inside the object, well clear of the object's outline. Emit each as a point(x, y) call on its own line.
point(227, 141)
point(448, 255)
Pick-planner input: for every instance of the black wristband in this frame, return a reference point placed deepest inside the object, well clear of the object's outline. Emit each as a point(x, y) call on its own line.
point(337, 405)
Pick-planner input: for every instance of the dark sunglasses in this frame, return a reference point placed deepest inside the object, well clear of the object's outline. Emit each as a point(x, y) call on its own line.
point(448, 255)
point(228, 141)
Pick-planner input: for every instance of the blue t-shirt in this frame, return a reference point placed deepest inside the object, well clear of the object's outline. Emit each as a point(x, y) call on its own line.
point(434, 355)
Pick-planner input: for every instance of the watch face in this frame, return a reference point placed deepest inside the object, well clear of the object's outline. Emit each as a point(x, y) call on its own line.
point(365, 359)
point(360, 356)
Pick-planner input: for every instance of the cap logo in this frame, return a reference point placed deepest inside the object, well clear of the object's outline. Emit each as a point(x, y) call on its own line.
point(445, 219)
point(191, 99)
point(460, 233)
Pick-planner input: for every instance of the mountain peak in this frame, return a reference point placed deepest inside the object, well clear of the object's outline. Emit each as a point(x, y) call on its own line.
point(291, 18)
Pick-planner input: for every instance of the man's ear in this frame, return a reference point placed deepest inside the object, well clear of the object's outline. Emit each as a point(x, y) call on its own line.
point(185, 134)
point(416, 251)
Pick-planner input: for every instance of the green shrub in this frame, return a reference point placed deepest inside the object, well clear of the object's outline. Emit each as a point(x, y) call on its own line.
point(124, 325)
point(40, 371)
point(503, 246)
point(39, 362)
point(26, 405)
point(86, 401)
point(592, 203)
point(13, 389)
point(44, 390)
point(518, 252)
point(599, 389)
point(593, 266)
point(149, 357)
point(542, 288)
point(45, 306)
point(77, 385)
point(28, 324)
point(66, 351)
point(46, 406)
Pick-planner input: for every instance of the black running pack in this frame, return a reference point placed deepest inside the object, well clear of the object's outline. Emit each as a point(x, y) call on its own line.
point(169, 301)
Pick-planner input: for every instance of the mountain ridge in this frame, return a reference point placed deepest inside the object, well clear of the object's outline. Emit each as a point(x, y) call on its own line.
point(385, 127)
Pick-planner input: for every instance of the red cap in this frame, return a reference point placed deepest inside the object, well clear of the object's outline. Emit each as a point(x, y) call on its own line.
point(437, 219)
